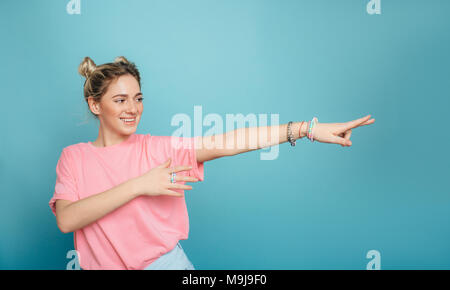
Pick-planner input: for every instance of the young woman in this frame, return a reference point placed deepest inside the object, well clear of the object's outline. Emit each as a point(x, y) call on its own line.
point(123, 194)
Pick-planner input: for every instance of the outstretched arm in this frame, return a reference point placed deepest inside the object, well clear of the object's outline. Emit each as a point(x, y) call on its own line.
point(248, 139)
point(245, 139)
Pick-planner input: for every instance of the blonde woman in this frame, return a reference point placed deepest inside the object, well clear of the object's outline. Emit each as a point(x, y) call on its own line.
point(123, 194)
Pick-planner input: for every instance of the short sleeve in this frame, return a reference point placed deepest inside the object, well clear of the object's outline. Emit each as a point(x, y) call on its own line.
point(65, 186)
point(183, 153)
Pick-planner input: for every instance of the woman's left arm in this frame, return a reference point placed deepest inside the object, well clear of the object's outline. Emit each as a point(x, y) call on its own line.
point(248, 139)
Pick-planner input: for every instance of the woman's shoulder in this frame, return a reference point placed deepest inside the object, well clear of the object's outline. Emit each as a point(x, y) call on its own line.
point(75, 148)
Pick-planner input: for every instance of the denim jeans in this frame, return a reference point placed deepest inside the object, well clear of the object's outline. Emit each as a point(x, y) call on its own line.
point(175, 259)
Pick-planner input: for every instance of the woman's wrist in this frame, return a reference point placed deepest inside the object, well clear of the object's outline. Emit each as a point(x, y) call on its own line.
point(134, 188)
point(301, 129)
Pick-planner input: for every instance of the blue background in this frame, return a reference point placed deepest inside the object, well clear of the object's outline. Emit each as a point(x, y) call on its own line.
point(317, 206)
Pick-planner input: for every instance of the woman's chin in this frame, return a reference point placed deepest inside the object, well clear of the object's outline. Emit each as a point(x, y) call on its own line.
point(128, 131)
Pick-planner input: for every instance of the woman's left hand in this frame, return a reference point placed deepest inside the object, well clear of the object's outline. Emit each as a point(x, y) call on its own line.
point(338, 133)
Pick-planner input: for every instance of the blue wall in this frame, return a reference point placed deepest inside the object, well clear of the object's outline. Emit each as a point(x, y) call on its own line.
point(317, 206)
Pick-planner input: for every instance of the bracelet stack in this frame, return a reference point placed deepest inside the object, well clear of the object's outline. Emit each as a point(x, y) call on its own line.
point(310, 125)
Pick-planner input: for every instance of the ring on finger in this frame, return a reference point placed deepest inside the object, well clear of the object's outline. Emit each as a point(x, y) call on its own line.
point(173, 176)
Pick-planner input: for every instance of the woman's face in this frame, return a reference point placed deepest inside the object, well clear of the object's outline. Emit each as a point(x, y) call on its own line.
point(121, 103)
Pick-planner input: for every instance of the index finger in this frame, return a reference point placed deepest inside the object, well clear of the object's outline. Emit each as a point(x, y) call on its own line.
point(180, 168)
point(355, 123)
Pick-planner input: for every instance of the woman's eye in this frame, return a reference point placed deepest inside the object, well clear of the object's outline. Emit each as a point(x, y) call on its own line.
point(139, 99)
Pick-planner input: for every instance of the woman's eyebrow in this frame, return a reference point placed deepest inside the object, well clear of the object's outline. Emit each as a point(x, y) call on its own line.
point(125, 95)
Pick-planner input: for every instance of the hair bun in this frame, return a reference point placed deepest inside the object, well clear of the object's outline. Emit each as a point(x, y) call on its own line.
point(121, 59)
point(87, 67)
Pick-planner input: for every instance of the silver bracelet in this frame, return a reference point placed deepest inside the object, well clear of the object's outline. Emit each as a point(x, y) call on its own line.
point(289, 134)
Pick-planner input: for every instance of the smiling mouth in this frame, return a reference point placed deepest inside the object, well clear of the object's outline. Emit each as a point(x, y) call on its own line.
point(128, 120)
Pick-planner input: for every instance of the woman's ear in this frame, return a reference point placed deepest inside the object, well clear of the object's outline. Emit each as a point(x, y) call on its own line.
point(93, 105)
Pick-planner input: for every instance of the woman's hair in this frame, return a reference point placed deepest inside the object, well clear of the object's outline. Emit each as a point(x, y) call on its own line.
point(99, 77)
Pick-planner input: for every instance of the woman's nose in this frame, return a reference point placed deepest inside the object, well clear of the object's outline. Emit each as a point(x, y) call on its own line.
point(132, 107)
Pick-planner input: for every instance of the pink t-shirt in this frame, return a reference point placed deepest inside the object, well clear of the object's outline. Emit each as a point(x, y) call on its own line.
point(140, 231)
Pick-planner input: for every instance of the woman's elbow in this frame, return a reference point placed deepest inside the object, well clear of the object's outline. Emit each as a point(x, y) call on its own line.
point(63, 227)
point(61, 217)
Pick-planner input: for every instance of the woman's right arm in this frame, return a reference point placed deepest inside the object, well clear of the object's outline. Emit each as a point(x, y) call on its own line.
point(72, 216)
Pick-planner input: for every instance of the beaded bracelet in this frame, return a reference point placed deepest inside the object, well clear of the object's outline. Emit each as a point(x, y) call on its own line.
point(309, 130)
point(290, 137)
point(312, 124)
point(312, 129)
